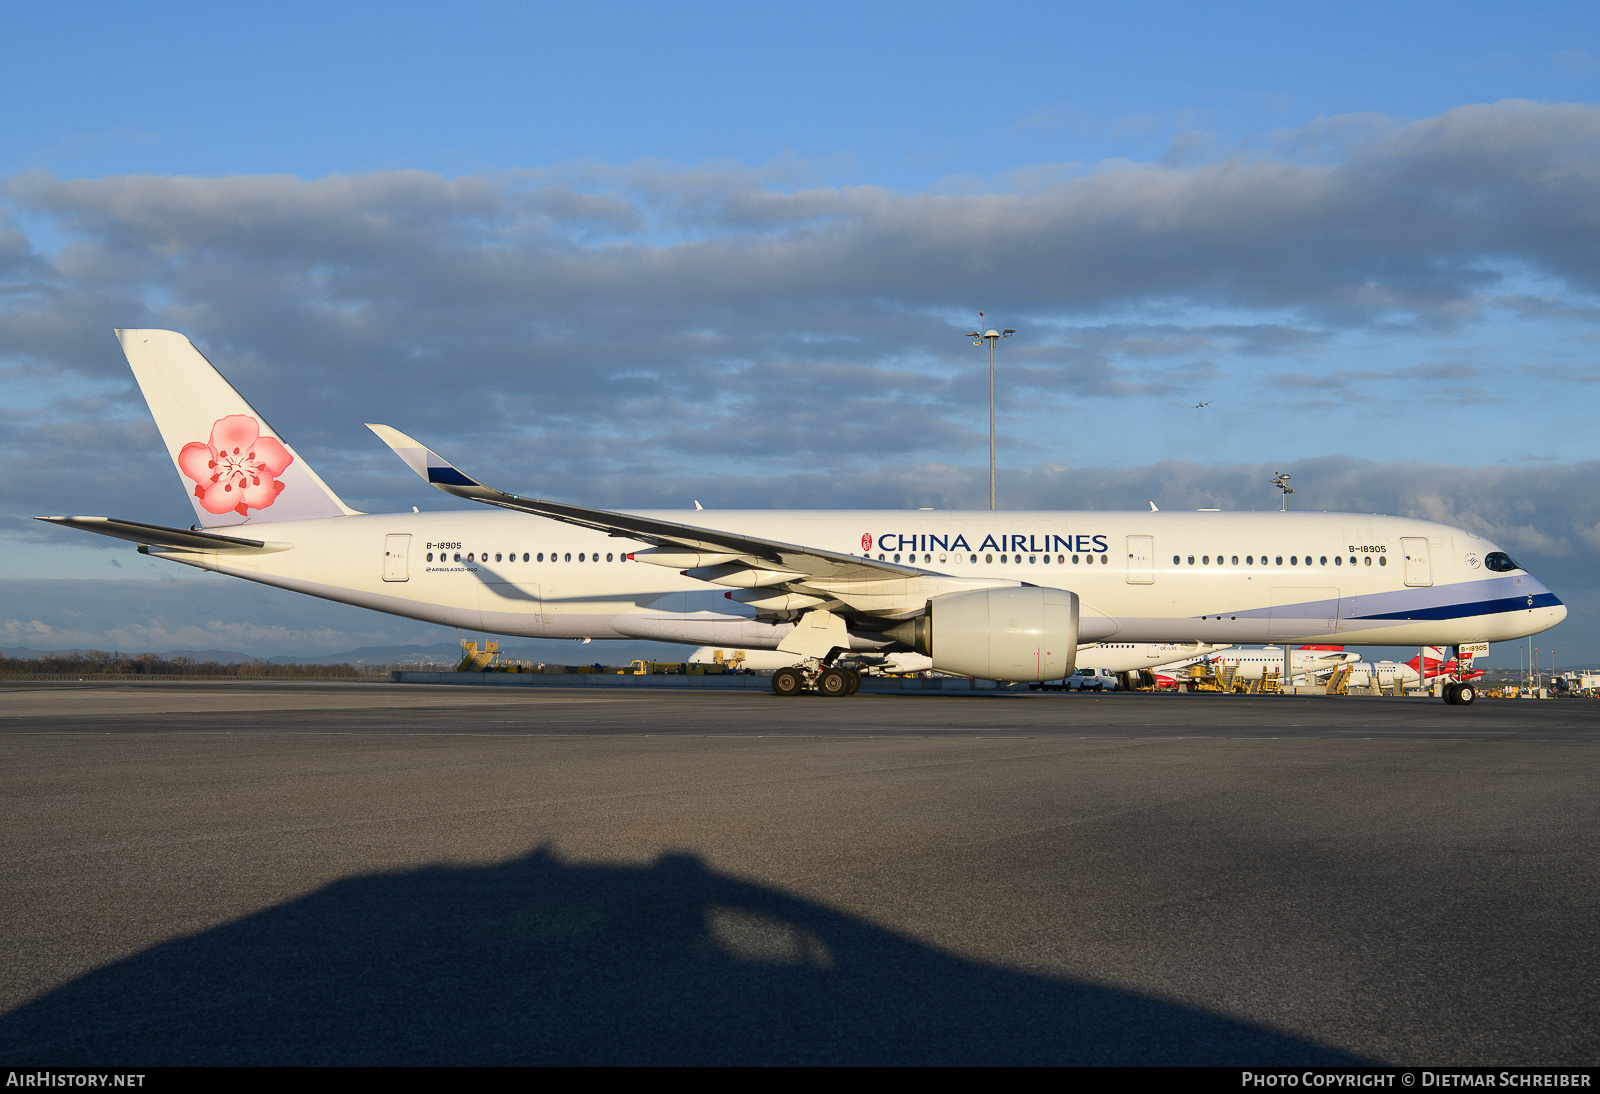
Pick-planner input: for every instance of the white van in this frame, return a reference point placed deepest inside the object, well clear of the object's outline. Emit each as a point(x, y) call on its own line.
point(1092, 680)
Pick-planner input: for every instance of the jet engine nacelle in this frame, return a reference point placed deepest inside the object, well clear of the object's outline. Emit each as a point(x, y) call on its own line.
point(998, 634)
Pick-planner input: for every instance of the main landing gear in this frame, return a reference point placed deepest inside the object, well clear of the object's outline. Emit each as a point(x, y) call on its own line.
point(1460, 694)
point(829, 680)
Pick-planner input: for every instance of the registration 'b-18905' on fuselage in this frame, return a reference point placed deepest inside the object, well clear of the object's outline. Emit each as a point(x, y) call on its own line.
point(995, 595)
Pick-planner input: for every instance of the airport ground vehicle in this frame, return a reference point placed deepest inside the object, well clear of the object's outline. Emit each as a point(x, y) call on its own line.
point(996, 595)
point(1092, 680)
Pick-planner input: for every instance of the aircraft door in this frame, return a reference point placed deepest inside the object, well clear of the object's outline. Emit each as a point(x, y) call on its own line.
point(395, 551)
point(1419, 567)
point(1141, 560)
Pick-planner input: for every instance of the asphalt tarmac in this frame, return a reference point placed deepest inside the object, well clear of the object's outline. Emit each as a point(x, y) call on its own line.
point(326, 873)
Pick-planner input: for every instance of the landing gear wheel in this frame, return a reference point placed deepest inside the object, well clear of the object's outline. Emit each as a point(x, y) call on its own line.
point(1451, 693)
point(855, 681)
point(788, 682)
point(1466, 695)
point(834, 682)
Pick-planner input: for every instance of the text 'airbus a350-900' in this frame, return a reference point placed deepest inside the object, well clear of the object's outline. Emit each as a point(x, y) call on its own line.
point(1007, 596)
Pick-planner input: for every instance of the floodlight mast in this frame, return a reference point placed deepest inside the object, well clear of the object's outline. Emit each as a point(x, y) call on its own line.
point(990, 336)
point(1281, 481)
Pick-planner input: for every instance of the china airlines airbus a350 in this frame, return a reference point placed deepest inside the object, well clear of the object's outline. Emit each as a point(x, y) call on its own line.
point(995, 595)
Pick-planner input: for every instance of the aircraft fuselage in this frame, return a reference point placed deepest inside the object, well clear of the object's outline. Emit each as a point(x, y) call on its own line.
point(1236, 578)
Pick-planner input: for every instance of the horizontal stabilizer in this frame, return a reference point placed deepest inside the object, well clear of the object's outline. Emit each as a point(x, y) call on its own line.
point(156, 535)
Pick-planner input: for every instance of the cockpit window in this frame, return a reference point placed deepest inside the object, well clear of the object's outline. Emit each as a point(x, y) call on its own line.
point(1500, 562)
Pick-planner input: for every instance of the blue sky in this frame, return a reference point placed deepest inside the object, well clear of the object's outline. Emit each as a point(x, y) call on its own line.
point(643, 254)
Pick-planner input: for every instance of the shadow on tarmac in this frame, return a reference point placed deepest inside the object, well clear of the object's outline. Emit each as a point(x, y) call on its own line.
point(543, 961)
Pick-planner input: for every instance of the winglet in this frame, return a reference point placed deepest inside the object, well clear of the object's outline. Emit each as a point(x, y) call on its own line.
point(432, 467)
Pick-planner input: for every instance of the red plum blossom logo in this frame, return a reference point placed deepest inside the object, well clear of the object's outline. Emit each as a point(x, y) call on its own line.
point(237, 468)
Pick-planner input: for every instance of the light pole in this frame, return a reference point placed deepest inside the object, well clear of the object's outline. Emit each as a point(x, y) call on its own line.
point(1281, 481)
point(990, 336)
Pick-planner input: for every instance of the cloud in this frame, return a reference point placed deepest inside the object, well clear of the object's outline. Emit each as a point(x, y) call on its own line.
point(630, 333)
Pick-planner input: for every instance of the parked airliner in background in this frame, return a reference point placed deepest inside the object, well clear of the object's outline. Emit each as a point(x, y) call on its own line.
point(1387, 673)
point(995, 595)
point(1117, 657)
point(1313, 662)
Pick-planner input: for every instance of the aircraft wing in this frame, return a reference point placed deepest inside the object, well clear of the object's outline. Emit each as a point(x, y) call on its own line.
point(157, 535)
point(735, 559)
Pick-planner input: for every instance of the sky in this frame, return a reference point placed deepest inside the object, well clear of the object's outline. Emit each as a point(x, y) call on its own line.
point(643, 254)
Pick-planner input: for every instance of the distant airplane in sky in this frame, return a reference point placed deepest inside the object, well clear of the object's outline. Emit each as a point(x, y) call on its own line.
point(1007, 596)
point(1199, 406)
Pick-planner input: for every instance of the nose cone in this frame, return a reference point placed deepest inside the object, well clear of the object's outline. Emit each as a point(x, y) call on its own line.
point(1547, 606)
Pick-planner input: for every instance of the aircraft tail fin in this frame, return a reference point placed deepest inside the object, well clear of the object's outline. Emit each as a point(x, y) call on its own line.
point(232, 463)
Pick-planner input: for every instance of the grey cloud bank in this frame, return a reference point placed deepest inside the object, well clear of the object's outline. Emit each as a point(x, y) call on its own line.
point(1399, 312)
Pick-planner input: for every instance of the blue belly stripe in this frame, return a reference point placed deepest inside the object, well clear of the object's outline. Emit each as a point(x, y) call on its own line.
point(1480, 607)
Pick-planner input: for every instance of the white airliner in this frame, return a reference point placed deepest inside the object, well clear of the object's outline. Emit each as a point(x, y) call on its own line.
point(1117, 657)
point(1387, 673)
point(995, 595)
point(1312, 661)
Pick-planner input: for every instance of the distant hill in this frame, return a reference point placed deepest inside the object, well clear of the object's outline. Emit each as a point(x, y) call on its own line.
point(222, 657)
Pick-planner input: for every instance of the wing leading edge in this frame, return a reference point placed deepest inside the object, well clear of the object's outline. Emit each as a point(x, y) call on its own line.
point(861, 585)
